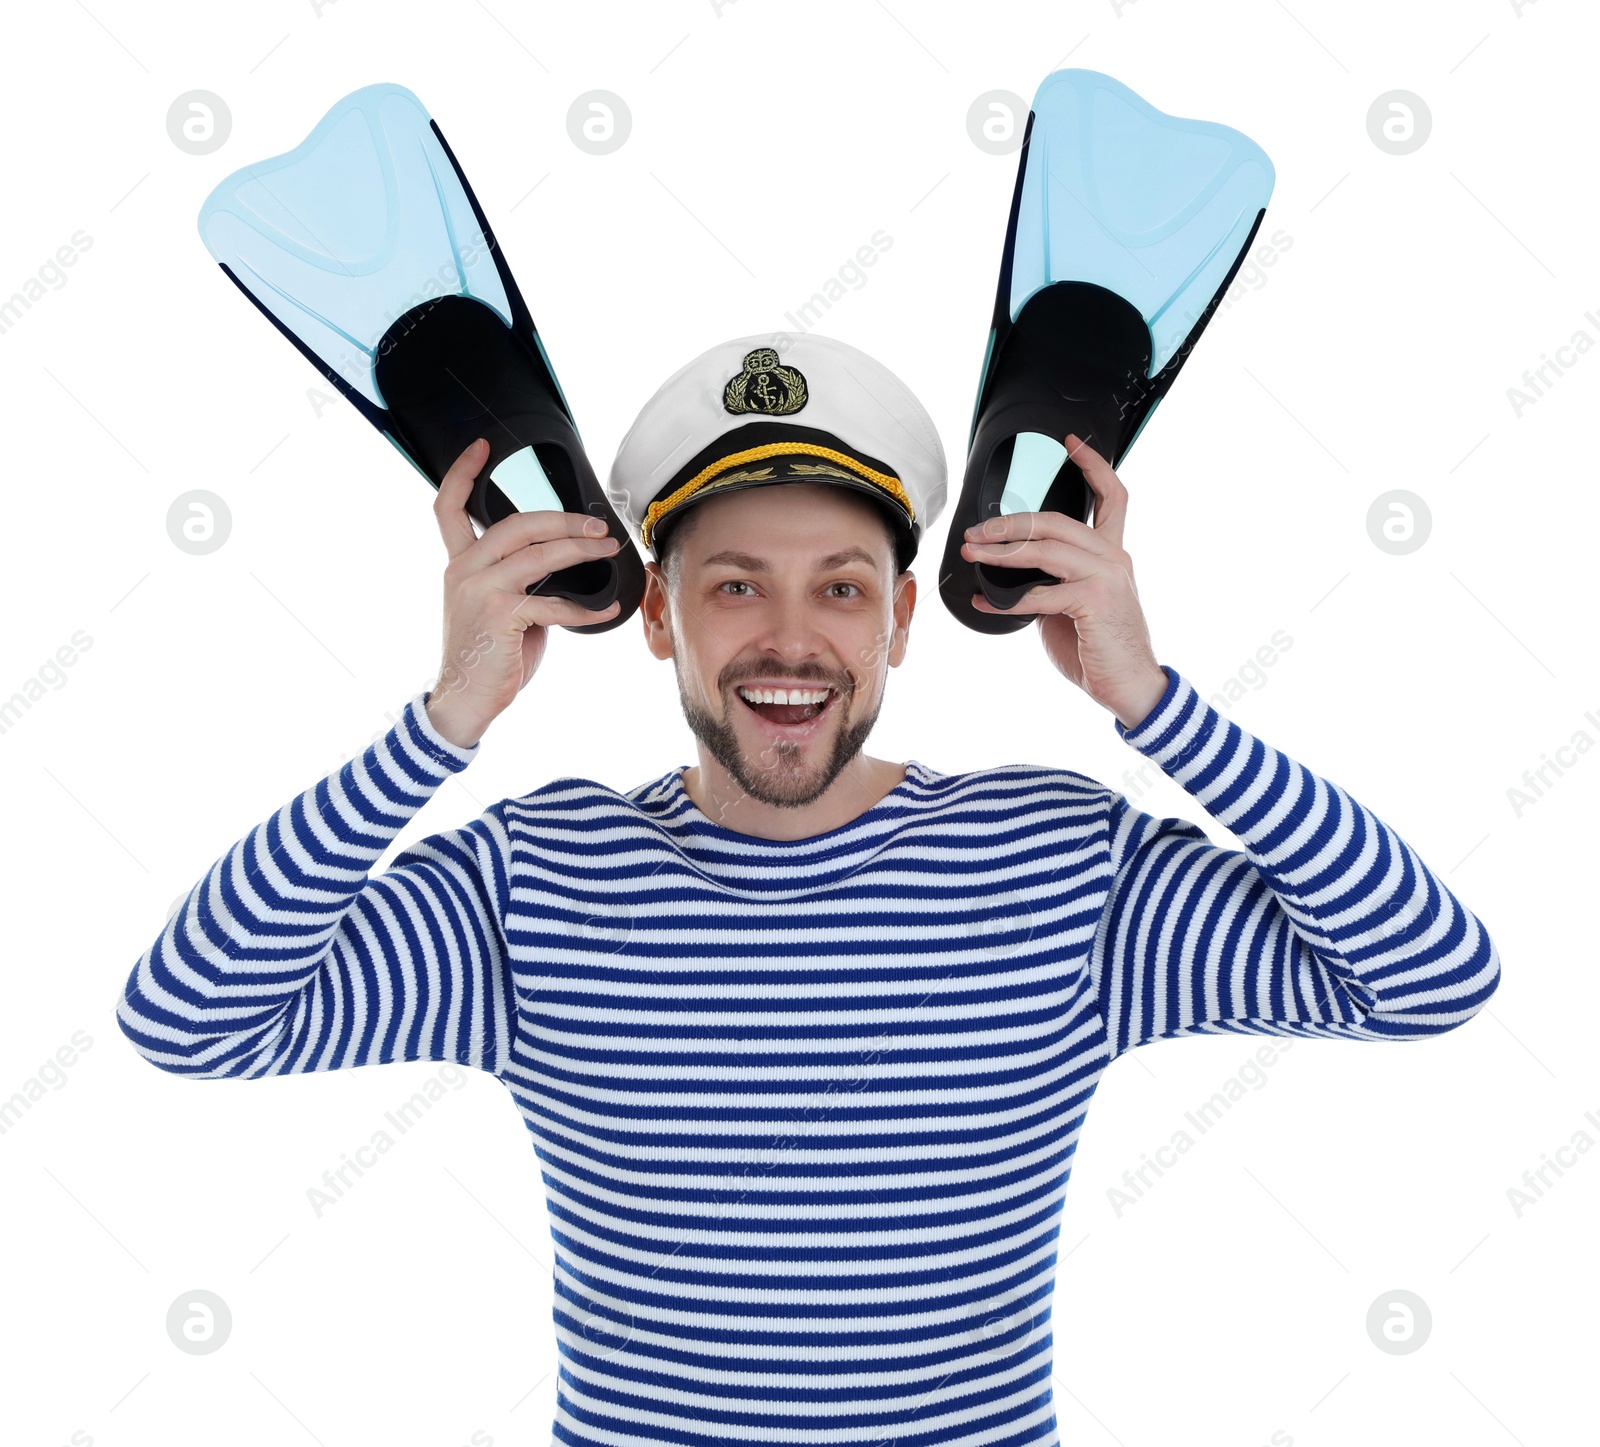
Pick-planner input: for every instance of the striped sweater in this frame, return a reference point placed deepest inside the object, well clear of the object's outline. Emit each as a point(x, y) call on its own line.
point(806, 1109)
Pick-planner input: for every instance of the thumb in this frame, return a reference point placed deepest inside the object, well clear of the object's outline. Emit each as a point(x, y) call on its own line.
point(450, 506)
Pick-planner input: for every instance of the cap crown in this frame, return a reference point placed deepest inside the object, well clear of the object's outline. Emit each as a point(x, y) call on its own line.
point(815, 382)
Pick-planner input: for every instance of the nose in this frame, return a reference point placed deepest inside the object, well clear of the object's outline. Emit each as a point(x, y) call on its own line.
point(793, 638)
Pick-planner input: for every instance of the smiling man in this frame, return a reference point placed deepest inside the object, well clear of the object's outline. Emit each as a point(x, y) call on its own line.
point(762, 642)
point(805, 1039)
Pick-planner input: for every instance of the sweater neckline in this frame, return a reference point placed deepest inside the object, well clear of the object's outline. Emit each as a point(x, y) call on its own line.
point(682, 810)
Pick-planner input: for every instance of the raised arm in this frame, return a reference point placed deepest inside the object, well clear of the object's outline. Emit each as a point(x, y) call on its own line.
point(1327, 923)
point(287, 957)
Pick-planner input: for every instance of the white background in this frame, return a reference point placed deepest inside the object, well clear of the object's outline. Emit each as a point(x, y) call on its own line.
point(768, 143)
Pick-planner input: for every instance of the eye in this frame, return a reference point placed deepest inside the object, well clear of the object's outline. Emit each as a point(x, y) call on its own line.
point(831, 586)
point(736, 583)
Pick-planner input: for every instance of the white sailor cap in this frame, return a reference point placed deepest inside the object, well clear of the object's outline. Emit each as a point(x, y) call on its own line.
point(779, 408)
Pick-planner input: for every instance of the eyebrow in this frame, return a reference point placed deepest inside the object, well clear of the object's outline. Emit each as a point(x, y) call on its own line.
point(752, 564)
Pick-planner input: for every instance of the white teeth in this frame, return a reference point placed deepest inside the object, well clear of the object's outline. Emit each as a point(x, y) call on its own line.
point(785, 695)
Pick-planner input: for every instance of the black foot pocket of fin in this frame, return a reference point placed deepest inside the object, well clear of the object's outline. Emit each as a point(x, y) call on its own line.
point(1069, 365)
point(452, 371)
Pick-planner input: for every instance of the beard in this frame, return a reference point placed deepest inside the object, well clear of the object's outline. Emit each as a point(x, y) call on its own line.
point(778, 776)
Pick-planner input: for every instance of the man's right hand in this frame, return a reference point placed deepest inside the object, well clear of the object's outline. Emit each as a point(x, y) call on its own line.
point(494, 629)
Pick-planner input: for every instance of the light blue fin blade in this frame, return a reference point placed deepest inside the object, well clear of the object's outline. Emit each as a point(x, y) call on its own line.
point(1152, 207)
point(1035, 461)
point(360, 222)
point(524, 481)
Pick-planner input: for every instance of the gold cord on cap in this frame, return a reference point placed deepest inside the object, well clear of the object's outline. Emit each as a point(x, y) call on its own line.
point(657, 510)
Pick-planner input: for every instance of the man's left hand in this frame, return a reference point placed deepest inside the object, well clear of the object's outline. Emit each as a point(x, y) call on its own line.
point(1093, 628)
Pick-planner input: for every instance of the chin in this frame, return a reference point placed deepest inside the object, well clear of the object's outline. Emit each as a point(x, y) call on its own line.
point(788, 774)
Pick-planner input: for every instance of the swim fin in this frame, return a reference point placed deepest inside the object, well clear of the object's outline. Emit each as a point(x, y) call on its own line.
point(1127, 226)
point(367, 249)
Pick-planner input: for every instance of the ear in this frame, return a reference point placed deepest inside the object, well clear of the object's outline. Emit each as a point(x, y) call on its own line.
point(655, 611)
point(905, 600)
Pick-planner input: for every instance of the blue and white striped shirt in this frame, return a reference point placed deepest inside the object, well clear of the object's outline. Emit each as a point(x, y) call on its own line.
point(806, 1109)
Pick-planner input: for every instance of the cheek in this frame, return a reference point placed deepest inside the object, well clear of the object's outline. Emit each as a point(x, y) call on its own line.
point(868, 654)
point(701, 651)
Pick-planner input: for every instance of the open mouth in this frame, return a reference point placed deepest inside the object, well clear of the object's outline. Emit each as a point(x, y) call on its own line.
point(788, 706)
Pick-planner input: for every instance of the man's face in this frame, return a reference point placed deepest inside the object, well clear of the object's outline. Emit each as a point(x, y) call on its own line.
point(790, 587)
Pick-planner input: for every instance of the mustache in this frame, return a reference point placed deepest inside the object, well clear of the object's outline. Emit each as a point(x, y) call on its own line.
point(846, 684)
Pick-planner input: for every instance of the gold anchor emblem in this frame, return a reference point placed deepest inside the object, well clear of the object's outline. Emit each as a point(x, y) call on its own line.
point(764, 385)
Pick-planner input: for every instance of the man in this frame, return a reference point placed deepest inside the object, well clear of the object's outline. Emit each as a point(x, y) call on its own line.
point(805, 1038)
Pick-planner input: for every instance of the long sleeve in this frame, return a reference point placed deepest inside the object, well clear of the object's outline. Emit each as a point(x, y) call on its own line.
point(287, 958)
point(1326, 924)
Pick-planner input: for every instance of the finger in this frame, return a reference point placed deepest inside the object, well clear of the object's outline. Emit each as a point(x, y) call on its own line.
point(1111, 497)
point(1111, 631)
point(538, 560)
point(1042, 597)
point(1018, 527)
point(450, 506)
point(538, 611)
point(1027, 604)
point(1040, 600)
point(512, 534)
point(1062, 559)
point(1081, 576)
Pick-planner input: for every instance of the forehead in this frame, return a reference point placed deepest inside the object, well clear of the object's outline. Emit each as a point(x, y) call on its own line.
point(785, 521)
